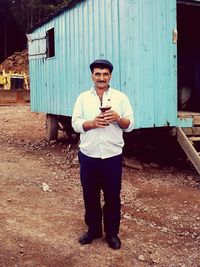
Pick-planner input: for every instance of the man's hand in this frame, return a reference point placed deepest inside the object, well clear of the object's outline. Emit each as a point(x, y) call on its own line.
point(98, 122)
point(111, 116)
point(104, 119)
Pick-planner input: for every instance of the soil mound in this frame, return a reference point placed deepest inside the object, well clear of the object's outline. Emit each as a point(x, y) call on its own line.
point(18, 62)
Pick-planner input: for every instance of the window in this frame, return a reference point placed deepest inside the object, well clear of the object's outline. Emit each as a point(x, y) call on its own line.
point(37, 45)
point(50, 43)
point(17, 83)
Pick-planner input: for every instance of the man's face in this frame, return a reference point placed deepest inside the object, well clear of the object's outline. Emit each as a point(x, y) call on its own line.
point(101, 78)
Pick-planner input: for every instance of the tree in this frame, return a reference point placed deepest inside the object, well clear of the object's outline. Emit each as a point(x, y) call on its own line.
point(29, 12)
point(17, 16)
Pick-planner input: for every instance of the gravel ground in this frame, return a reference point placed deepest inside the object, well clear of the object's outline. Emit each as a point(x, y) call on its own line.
point(41, 209)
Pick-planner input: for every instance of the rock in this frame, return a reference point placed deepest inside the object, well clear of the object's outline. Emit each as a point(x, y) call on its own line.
point(189, 178)
point(169, 176)
point(132, 163)
point(127, 216)
point(146, 165)
point(175, 217)
point(154, 165)
point(164, 229)
point(141, 258)
point(45, 187)
point(75, 161)
point(155, 257)
point(52, 142)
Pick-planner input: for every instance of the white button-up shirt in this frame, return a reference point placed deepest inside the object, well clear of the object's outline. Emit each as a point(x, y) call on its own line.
point(101, 142)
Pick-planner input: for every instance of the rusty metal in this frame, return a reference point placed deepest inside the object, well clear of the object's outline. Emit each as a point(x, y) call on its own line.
point(9, 97)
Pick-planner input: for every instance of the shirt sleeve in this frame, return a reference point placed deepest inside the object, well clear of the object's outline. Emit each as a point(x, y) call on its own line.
point(77, 116)
point(127, 112)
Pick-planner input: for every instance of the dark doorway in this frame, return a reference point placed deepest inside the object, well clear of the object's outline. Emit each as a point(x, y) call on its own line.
point(188, 52)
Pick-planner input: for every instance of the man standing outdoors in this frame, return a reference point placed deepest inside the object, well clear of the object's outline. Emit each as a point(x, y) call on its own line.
point(100, 155)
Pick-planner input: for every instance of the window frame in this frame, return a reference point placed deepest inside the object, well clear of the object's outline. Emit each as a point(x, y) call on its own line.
point(50, 43)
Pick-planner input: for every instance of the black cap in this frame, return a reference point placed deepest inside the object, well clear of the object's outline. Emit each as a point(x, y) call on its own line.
point(101, 63)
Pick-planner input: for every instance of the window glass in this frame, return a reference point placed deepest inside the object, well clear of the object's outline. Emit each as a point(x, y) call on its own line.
point(50, 43)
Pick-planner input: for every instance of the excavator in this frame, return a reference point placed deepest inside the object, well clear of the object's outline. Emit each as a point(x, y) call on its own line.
point(14, 87)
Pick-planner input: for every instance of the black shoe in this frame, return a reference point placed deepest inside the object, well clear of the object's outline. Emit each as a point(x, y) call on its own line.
point(87, 238)
point(113, 242)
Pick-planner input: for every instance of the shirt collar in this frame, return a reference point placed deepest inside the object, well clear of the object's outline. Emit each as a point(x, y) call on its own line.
point(93, 91)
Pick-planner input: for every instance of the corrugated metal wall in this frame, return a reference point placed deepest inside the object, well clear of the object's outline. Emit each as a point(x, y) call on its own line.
point(136, 35)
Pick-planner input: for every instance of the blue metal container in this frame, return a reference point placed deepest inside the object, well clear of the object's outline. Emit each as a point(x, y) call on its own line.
point(135, 35)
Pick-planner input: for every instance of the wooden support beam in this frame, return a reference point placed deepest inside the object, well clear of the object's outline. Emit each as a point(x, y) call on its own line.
point(188, 148)
point(196, 120)
point(192, 130)
point(194, 138)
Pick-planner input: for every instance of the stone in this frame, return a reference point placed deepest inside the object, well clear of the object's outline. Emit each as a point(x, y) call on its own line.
point(141, 258)
point(154, 165)
point(155, 257)
point(45, 187)
point(132, 163)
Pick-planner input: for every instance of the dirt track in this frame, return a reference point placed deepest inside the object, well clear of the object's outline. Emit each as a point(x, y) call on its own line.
point(40, 226)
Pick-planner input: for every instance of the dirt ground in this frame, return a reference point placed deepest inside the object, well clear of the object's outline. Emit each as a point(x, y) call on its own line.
point(41, 209)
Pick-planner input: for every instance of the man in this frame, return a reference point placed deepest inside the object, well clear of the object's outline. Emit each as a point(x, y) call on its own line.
point(100, 155)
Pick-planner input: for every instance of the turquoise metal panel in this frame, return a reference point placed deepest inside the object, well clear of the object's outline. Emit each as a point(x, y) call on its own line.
point(136, 35)
point(149, 60)
point(185, 122)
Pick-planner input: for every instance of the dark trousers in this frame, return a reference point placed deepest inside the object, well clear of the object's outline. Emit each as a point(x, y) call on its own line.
point(101, 174)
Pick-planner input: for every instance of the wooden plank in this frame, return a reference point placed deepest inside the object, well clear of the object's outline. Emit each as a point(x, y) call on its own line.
point(188, 148)
point(195, 116)
point(194, 138)
point(196, 120)
point(191, 130)
point(187, 114)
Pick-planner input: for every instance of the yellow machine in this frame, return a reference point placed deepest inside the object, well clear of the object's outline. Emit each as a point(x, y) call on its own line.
point(12, 80)
point(14, 88)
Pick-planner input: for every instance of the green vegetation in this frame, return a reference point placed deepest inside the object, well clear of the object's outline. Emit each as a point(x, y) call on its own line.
point(17, 16)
